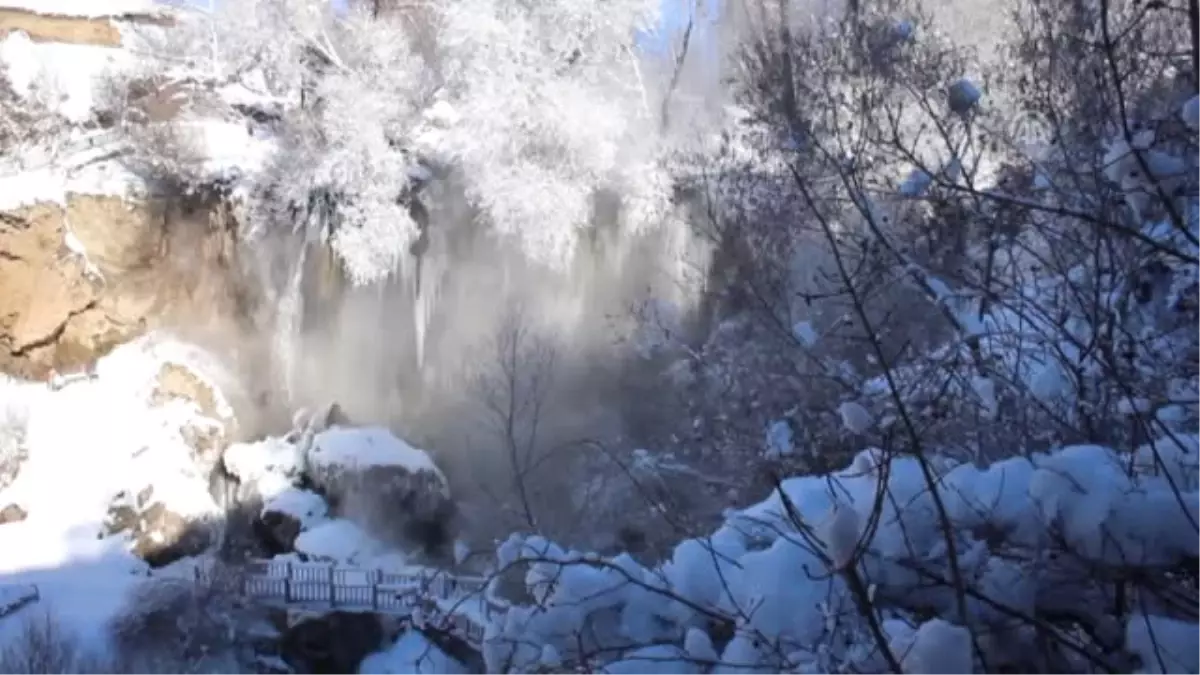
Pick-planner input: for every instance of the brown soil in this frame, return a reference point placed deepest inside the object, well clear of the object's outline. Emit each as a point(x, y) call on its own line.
point(160, 264)
point(78, 30)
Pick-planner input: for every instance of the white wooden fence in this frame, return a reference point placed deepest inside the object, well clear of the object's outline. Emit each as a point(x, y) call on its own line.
point(456, 603)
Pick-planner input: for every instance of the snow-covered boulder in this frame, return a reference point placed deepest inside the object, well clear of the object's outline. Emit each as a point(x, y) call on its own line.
point(158, 534)
point(392, 489)
point(286, 515)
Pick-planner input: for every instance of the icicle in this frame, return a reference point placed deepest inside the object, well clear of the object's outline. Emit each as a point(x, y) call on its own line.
point(287, 325)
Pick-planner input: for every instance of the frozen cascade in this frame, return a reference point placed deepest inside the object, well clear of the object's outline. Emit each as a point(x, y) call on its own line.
point(288, 321)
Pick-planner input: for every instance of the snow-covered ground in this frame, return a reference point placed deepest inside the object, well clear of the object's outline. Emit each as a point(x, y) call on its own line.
point(65, 76)
point(412, 653)
point(86, 443)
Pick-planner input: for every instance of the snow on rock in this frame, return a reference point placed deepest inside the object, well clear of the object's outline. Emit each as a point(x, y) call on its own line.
point(412, 653)
point(305, 506)
point(855, 418)
point(289, 512)
point(269, 467)
point(1190, 113)
point(367, 476)
point(779, 441)
point(367, 447)
point(108, 471)
point(339, 541)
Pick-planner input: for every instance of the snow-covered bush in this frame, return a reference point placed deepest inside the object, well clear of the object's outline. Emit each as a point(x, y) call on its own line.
point(25, 112)
point(13, 423)
point(1009, 303)
point(1049, 563)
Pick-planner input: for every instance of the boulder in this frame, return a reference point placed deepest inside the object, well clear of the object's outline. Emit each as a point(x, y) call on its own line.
point(12, 514)
point(285, 515)
point(391, 489)
point(277, 532)
point(130, 266)
point(208, 436)
point(159, 535)
point(336, 642)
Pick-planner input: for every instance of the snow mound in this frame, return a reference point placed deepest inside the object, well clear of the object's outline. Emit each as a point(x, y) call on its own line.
point(412, 653)
point(339, 541)
point(269, 466)
point(306, 507)
point(96, 438)
point(86, 444)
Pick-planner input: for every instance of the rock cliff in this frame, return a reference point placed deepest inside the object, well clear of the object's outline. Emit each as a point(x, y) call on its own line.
point(78, 278)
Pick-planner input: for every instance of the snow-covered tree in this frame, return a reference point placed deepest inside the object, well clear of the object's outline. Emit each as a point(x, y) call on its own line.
point(537, 107)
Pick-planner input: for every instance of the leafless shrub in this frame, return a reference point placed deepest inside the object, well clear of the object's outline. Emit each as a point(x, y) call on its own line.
point(179, 625)
point(45, 645)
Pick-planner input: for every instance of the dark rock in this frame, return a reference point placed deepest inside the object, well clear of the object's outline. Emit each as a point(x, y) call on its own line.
point(160, 536)
point(334, 643)
point(277, 532)
point(163, 536)
point(12, 514)
point(397, 496)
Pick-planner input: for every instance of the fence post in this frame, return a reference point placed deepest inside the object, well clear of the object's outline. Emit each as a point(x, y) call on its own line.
point(332, 588)
point(287, 582)
point(374, 583)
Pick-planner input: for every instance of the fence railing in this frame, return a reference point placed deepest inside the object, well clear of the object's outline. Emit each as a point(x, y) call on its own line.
point(461, 601)
point(15, 596)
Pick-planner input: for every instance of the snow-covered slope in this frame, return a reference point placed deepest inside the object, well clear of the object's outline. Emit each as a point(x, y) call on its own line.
point(86, 443)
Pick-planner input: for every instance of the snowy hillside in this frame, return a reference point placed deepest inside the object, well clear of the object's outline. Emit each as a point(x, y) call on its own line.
point(76, 450)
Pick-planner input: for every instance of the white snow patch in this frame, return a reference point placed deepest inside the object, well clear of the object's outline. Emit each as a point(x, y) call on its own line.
point(305, 506)
point(99, 437)
point(229, 150)
point(87, 443)
point(340, 541)
point(805, 333)
point(364, 447)
point(1190, 113)
point(779, 439)
point(64, 75)
point(855, 418)
point(412, 653)
point(270, 464)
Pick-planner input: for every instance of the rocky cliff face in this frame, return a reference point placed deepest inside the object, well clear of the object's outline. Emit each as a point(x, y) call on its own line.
point(78, 279)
